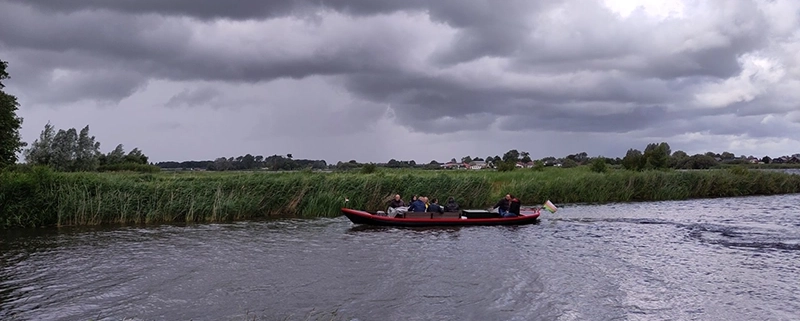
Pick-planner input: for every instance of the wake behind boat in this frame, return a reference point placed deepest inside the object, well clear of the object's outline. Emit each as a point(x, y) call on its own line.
point(461, 218)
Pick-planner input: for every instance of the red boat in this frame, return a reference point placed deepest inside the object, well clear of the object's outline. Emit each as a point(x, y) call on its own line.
point(462, 218)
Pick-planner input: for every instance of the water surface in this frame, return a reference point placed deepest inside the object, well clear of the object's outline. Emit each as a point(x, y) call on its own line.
point(717, 259)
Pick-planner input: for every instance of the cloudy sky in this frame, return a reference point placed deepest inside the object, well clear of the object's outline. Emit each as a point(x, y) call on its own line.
point(373, 80)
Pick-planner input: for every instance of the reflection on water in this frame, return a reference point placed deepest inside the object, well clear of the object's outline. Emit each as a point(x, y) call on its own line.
point(718, 259)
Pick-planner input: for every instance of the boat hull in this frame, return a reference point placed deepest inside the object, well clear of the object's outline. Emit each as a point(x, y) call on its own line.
point(366, 218)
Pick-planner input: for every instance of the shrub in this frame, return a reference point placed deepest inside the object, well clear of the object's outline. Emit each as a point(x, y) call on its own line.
point(506, 166)
point(599, 165)
point(369, 168)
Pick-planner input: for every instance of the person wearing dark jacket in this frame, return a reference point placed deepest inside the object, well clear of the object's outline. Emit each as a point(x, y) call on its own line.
point(513, 206)
point(451, 205)
point(502, 205)
point(397, 202)
point(435, 207)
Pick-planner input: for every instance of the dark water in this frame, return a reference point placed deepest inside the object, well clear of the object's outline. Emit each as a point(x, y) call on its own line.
point(721, 259)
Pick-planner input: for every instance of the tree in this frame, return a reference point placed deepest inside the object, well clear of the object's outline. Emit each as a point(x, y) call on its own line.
point(87, 152)
point(632, 160)
point(511, 156)
point(64, 145)
point(599, 165)
point(135, 156)
point(466, 159)
point(526, 157)
point(656, 155)
point(10, 141)
point(41, 151)
point(116, 156)
point(766, 160)
point(569, 163)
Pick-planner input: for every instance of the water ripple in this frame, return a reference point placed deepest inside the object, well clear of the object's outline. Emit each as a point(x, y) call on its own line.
point(731, 259)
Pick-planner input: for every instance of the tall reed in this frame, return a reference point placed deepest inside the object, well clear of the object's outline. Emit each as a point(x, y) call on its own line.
point(41, 197)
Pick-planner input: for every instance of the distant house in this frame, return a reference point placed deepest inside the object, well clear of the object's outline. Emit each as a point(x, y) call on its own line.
point(477, 165)
point(452, 165)
point(524, 165)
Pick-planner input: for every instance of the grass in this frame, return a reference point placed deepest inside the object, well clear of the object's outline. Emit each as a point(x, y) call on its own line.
point(40, 197)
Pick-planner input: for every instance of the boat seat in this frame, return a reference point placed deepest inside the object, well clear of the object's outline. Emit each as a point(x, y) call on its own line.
point(432, 215)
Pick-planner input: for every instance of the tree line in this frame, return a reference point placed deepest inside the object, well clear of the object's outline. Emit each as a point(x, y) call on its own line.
point(248, 162)
point(70, 151)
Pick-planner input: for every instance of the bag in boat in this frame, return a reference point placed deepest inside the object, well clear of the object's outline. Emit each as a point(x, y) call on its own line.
point(393, 212)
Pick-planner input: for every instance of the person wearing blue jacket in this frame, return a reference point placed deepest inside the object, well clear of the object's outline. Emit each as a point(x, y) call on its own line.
point(417, 206)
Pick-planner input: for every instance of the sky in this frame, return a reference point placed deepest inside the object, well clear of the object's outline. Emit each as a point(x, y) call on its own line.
point(374, 80)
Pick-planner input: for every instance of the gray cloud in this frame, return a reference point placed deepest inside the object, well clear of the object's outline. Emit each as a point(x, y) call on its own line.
point(435, 67)
point(193, 97)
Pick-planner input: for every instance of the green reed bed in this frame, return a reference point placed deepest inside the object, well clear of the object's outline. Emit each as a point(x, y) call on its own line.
point(41, 197)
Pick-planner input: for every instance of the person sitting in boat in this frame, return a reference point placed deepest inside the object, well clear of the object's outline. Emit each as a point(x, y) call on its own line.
point(513, 206)
point(502, 205)
point(418, 205)
point(451, 205)
point(435, 207)
point(397, 202)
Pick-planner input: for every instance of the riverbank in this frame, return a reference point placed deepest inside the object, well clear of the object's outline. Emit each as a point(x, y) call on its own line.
point(44, 198)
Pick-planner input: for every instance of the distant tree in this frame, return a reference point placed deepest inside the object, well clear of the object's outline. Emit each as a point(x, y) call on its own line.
point(289, 156)
point(135, 156)
point(526, 157)
point(766, 160)
point(549, 160)
point(727, 156)
point(116, 156)
point(599, 165)
point(702, 162)
point(569, 163)
point(677, 158)
point(41, 151)
point(656, 155)
point(506, 166)
point(369, 168)
point(10, 141)
point(87, 152)
point(221, 164)
point(453, 160)
point(249, 162)
point(511, 156)
point(633, 160)
point(466, 159)
point(538, 165)
point(579, 158)
point(65, 144)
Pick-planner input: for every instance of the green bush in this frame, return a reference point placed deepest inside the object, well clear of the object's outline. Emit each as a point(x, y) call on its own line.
point(599, 165)
point(129, 167)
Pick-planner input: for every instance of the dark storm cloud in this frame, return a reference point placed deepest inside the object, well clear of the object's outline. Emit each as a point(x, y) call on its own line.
point(570, 65)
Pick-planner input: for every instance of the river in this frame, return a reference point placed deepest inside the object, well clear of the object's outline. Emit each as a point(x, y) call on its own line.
point(711, 259)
